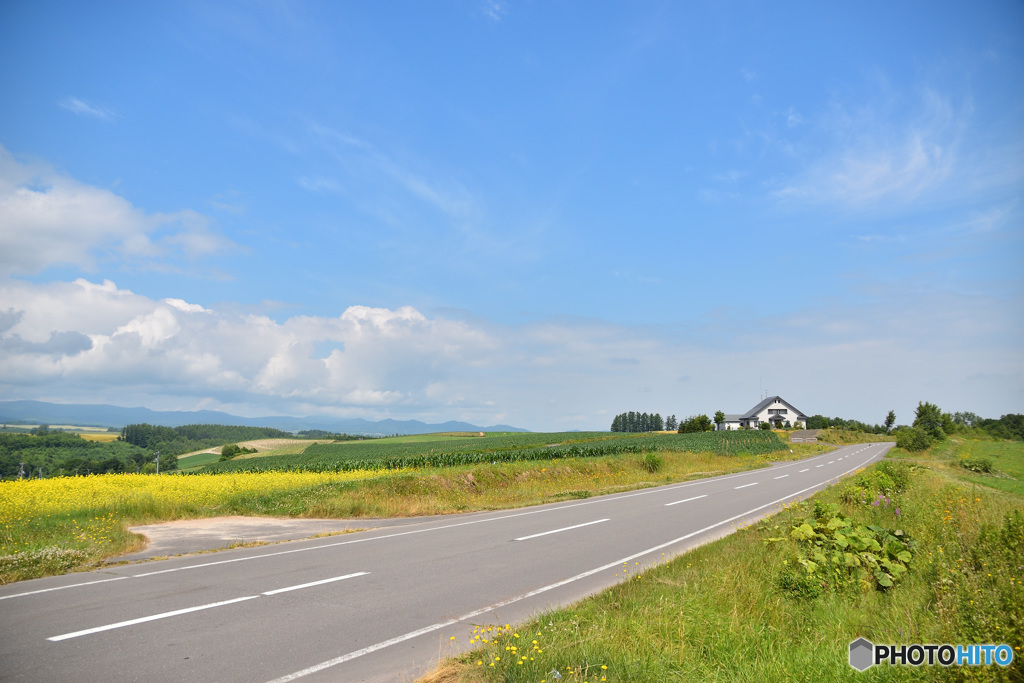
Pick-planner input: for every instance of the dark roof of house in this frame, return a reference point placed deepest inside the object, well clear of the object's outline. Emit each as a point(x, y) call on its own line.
point(767, 402)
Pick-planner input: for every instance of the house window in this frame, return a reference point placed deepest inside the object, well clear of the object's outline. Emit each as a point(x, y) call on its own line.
point(777, 411)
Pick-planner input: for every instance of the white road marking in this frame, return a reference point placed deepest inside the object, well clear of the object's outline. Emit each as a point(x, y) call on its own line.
point(436, 627)
point(59, 588)
point(154, 617)
point(555, 531)
point(782, 476)
point(831, 461)
point(745, 485)
point(806, 470)
point(315, 583)
point(686, 501)
point(819, 465)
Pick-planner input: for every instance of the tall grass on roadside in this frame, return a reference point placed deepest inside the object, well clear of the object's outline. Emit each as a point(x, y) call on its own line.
point(730, 611)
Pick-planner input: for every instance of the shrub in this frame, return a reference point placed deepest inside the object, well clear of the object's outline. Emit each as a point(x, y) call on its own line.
point(233, 450)
point(977, 464)
point(651, 462)
point(836, 552)
point(898, 474)
point(913, 439)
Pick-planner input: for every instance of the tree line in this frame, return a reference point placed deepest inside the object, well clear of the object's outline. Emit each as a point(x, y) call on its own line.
point(643, 422)
point(188, 438)
point(55, 454)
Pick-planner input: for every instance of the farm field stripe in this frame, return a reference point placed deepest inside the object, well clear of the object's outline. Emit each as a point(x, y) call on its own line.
point(555, 531)
point(435, 627)
point(315, 583)
point(153, 617)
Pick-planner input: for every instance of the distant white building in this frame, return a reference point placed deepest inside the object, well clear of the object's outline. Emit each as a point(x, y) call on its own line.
point(774, 410)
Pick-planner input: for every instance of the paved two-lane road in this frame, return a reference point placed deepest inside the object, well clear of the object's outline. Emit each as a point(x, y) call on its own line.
point(378, 605)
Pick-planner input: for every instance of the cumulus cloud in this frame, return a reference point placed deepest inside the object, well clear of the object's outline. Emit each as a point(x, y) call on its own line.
point(94, 342)
point(48, 219)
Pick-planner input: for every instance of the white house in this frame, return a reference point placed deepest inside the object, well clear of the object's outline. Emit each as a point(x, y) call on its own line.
point(774, 410)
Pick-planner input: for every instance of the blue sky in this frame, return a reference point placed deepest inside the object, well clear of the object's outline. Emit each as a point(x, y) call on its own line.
point(536, 213)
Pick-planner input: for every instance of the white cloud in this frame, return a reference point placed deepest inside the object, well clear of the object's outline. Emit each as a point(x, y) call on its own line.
point(83, 108)
point(48, 218)
point(94, 342)
point(867, 159)
point(493, 9)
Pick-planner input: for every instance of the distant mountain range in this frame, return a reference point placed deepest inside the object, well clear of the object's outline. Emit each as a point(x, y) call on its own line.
point(85, 415)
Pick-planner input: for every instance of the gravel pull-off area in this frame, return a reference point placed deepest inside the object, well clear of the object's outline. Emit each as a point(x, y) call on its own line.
point(197, 535)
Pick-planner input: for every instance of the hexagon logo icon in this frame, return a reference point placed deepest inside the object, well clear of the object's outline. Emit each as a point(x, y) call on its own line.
point(861, 654)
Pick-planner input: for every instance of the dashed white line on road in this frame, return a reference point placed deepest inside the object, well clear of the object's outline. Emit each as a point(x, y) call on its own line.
point(819, 465)
point(153, 617)
point(315, 583)
point(746, 485)
point(555, 531)
point(687, 500)
point(806, 470)
point(782, 476)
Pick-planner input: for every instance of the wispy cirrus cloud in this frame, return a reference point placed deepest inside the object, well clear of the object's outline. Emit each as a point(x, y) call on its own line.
point(83, 108)
point(446, 195)
point(494, 10)
point(869, 154)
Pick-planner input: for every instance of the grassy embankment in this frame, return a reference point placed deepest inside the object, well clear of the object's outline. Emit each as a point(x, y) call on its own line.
point(745, 608)
point(57, 525)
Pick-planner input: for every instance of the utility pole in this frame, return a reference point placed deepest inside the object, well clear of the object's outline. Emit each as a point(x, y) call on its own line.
point(21, 470)
point(157, 454)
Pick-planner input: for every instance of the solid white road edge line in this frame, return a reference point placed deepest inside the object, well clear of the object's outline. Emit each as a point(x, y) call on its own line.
point(315, 583)
point(555, 531)
point(687, 500)
point(436, 627)
point(153, 617)
point(59, 588)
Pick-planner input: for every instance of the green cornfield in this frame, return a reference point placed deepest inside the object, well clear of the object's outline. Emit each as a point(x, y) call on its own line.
point(379, 454)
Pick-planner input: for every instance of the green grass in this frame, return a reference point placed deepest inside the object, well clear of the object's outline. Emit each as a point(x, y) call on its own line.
point(843, 437)
point(196, 460)
point(732, 611)
point(1007, 460)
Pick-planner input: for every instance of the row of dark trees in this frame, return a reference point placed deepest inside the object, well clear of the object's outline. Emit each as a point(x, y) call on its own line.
point(187, 438)
point(653, 422)
point(643, 422)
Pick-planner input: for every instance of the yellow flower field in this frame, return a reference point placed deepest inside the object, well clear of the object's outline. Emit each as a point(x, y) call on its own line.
point(50, 526)
point(97, 493)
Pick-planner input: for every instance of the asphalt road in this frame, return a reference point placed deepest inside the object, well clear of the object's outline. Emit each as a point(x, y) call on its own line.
point(379, 605)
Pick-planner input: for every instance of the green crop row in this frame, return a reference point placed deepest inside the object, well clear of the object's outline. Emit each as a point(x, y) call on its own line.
point(321, 459)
